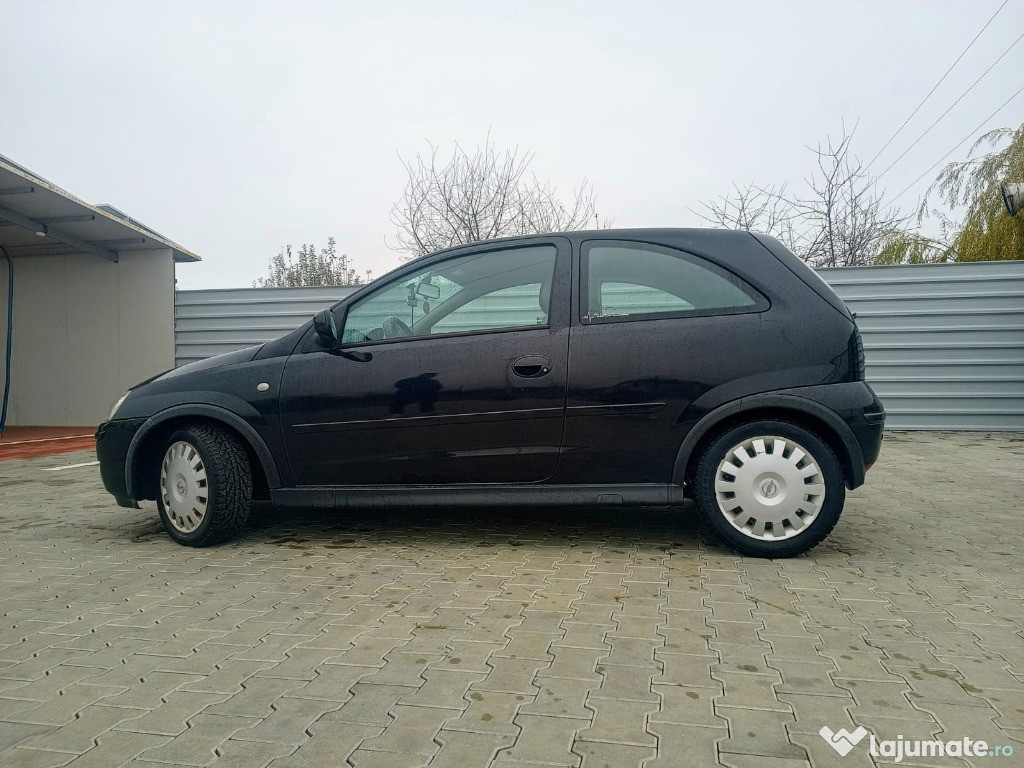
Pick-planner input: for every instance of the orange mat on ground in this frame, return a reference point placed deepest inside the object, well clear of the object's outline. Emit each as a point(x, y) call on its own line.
point(30, 442)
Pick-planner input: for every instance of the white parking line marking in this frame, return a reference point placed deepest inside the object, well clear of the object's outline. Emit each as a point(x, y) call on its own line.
point(71, 466)
point(45, 439)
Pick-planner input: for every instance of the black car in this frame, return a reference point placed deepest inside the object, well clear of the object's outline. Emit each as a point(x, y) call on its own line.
point(594, 369)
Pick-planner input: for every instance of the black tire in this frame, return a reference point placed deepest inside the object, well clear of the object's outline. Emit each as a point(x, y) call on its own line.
point(814, 533)
point(228, 485)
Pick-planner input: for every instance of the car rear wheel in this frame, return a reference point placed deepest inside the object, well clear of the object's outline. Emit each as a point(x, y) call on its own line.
point(770, 488)
point(205, 485)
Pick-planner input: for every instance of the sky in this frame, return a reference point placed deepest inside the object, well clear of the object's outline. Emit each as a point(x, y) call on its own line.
point(237, 127)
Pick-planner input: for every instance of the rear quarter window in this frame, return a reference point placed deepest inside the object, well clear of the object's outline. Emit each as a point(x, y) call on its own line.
point(627, 280)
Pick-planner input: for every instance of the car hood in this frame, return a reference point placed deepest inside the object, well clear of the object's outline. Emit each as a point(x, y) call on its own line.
point(217, 361)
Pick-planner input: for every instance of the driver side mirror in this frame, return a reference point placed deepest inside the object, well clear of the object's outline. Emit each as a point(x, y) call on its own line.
point(326, 328)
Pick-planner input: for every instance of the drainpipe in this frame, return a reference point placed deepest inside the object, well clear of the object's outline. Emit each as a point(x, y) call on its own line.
point(10, 336)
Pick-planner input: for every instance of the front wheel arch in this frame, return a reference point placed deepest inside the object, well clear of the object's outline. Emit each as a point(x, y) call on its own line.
point(796, 410)
point(146, 449)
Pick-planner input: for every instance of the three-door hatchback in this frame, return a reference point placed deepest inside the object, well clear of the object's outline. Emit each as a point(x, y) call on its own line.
point(605, 368)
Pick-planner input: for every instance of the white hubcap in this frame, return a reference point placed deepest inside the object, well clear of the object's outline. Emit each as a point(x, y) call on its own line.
point(769, 488)
point(183, 486)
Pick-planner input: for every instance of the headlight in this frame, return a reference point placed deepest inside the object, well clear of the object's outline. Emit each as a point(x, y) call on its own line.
point(121, 399)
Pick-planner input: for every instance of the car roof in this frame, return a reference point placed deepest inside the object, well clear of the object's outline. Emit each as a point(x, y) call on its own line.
point(656, 234)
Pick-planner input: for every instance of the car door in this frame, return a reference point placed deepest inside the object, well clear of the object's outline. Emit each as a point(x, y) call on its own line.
point(451, 372)
point(655, 328)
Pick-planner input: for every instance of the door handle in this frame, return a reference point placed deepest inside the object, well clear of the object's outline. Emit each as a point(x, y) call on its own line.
point(532, 366)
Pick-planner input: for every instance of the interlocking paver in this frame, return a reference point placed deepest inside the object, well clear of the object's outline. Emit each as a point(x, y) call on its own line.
point(529, 645)
point(683, 705)
point(587, 637)
point(370, 758)
point(470, 656)
point(170, 717)
point(412, 731)
point(574, 663)
point(545, 740)
point(62, 708)
point(442, 688)
point(332, 683)
point(36, 758)
point(243, 754)
point(256, 697)
point(757, 732)
point(461, 749)
point(694, 747)
point(597, 754)
point(197, 745)
point(78, 735)
point(750, 691)
point(151, 690)
point(330, 744)
point(620, 722)
point(512, 676)
point(114, 748)
point(489, 713)
point(370, 704)
point(883, 699)
point(228, 676)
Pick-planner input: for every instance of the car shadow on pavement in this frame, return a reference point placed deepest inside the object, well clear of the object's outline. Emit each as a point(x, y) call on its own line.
point(491, 526)
point(677, 528)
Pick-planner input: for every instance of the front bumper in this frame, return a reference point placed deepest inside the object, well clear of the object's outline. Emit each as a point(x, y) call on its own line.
point(113, 439)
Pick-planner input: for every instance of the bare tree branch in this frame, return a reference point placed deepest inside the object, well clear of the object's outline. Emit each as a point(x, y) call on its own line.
point(840, 220)
point(480, 195)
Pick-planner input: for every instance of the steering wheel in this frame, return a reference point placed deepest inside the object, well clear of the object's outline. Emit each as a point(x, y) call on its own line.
point(394, 328)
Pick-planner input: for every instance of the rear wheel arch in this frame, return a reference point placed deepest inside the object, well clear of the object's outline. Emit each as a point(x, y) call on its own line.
point(796, 410)
point(148, 445)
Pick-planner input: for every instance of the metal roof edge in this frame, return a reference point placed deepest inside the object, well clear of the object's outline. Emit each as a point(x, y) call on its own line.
point(179, 252)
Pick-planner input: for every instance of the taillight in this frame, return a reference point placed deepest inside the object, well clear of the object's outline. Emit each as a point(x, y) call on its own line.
point(857, 354)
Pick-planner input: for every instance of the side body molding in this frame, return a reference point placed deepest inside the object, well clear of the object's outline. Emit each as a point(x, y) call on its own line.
point(236, 422)
point(852, 461)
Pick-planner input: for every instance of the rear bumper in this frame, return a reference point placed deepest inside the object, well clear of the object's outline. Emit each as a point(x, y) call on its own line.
point(112, 441)
point(868, 425)
point(855, 415)
point(860, 409)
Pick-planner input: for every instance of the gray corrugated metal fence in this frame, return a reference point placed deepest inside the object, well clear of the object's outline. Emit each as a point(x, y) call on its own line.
point(944, 342)
point(210, 322)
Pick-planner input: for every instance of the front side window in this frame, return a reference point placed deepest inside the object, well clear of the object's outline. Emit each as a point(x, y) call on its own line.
point(637, 280)
point(495, 290)
point(507, 307)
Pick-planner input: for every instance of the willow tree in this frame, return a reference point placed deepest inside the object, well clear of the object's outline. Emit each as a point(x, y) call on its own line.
point(986, 232)
point(902, 247)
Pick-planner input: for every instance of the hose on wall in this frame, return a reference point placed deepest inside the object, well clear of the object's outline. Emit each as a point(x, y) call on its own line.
point(10, 336)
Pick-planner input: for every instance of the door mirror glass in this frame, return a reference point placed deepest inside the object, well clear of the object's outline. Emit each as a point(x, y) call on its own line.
point(326, 328)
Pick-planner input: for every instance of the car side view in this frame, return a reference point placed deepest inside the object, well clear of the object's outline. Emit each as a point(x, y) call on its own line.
point(606, 368)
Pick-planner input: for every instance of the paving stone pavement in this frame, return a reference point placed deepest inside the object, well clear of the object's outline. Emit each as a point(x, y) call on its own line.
point(515, 638)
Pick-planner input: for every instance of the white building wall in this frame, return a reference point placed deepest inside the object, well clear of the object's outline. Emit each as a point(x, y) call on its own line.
point(85, 329)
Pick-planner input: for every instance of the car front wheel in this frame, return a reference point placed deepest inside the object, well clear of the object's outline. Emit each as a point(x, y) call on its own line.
point(770, 488)
point(205, 485)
